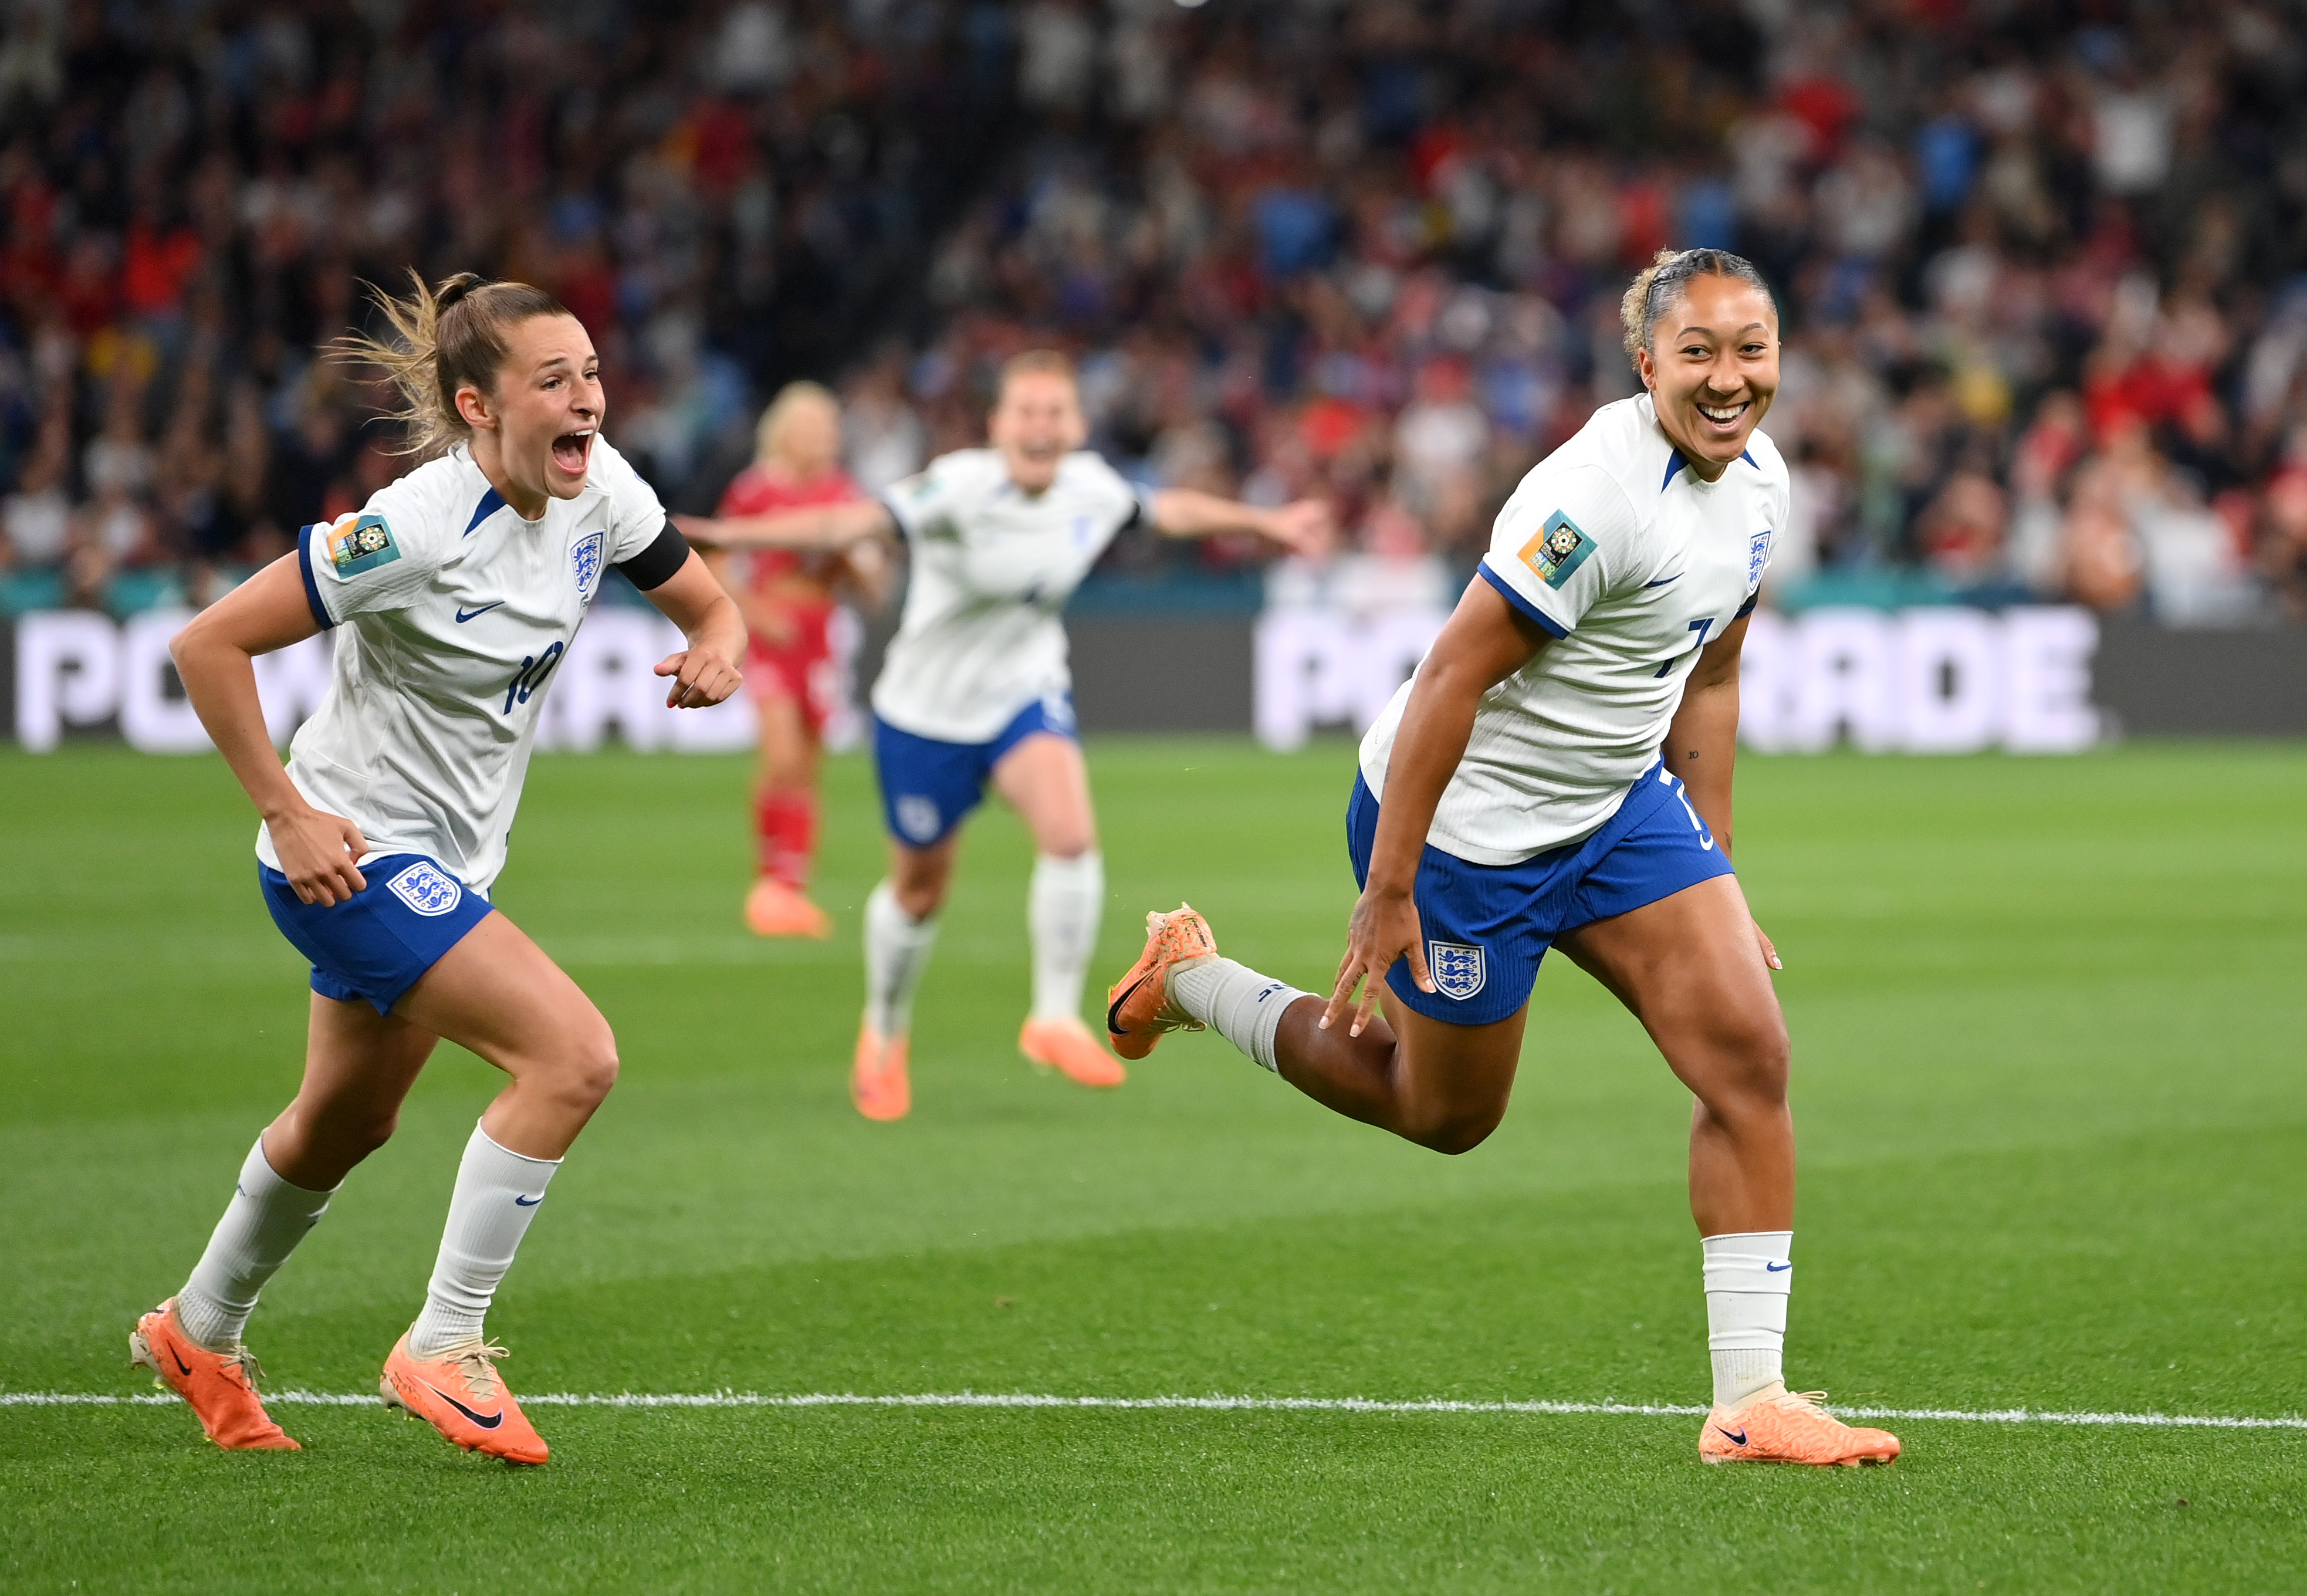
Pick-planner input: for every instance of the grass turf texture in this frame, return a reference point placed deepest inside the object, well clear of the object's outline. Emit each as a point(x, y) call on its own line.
point(2047, 1083)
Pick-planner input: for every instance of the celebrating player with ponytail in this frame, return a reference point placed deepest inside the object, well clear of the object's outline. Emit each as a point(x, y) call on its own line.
point(1558, 773)
point(453, 594)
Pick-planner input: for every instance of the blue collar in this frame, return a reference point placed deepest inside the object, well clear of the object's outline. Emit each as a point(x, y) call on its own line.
point(491, 503)
point(1675, 462)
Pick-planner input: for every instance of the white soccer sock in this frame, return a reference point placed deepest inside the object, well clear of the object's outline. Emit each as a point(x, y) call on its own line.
point(1748, 1277)
point(496, 1196)
point(1238, 1003)
point(1062, 911)
point(260, 1227)
point(896, 951)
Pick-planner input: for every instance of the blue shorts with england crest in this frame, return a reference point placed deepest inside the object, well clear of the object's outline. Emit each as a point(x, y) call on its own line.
point(374, 946)
point(1488, 926)
point(929, 786)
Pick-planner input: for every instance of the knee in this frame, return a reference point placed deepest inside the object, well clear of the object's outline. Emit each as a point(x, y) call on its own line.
point(585, 1068)
point(371, 1131)
point(1454, 1131)
point(919, 899)
point(1756, 1060)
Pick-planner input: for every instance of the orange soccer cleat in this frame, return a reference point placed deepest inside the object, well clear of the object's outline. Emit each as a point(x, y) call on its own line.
point(219, 1386)
point(1064, 1044)
point(1138, 1012)
point(877, 1083)
point(462, 1395)
point(1789, 1427)
point(773, 909)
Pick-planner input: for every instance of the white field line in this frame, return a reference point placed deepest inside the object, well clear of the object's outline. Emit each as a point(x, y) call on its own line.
point(1260, 1404)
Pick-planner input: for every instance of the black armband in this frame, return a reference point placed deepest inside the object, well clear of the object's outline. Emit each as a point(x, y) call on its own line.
point(655, 565)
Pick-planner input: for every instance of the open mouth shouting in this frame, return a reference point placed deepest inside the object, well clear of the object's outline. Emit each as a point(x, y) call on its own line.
point(572, 452)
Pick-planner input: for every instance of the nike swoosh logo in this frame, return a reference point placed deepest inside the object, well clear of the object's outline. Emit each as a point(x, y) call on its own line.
point(1113, 1009)
point(1662, 581)
point(521, 1202)
point(464, 615)
point(1738, 1436)
point(182, 1366)
point(1767, 1268)
point(491, 1421)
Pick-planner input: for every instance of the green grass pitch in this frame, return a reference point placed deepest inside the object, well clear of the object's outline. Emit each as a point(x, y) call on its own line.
point(2048, 1082)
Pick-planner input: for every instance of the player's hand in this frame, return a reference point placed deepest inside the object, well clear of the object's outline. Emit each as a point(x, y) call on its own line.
point(1769, 953)
point(1383, 929)
point(701, 679)
point(319, 855)
point(1304, 528)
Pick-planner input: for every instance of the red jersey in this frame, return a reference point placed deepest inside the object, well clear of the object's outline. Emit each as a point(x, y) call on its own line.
point(757, 492)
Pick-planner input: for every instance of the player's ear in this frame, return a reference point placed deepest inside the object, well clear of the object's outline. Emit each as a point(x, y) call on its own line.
point(1646, 368)
point(473, 405)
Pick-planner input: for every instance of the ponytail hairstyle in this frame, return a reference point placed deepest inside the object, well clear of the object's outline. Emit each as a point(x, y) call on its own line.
point(444, 338)
point(1666, 279)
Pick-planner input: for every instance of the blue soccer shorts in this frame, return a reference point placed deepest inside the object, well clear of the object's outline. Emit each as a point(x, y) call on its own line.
point(927, 787)
point(1489, 926)
point(373, 946)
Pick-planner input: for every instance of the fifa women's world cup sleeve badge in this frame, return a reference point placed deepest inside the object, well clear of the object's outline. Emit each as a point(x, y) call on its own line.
point(362, 543)
point(1557, 550)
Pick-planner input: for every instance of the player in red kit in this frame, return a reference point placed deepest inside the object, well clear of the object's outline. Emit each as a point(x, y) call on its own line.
point(789, 601)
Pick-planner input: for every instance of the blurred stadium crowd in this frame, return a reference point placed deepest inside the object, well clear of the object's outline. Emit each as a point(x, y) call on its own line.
point(2040, 262)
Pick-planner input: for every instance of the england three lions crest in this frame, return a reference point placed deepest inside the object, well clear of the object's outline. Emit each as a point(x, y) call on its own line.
point(586, 557)
point(1758, 555)
point(428, 890)
point(1458, 970)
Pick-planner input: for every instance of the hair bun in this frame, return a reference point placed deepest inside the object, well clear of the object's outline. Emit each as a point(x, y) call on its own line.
point(455, 288)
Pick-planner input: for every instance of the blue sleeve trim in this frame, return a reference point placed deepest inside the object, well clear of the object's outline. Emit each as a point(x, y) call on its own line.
point(304, 570)
point(1747, 608)
point(1544, 621)
point(491, 503)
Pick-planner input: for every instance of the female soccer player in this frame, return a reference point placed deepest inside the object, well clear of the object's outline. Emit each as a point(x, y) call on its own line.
point(453, 595)
point(1527, 788)
point(975, 689)
point(787, 600)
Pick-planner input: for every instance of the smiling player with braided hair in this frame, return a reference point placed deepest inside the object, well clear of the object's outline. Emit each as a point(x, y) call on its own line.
point(1558, 773)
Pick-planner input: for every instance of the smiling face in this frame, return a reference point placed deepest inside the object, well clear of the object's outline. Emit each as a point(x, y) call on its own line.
point(1712, 369)
point(533, 435)
point(1036, 422)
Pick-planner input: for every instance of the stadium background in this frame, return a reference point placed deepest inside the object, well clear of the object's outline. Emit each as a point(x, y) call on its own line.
point(2046, 354)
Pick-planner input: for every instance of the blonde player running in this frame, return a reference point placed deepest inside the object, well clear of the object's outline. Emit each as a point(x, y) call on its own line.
point(1527, 788)
point(975, 689)
point(453, 595)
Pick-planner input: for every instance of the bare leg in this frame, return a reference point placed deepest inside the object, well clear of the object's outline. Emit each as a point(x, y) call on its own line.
point(1046, 781)
point(919, 877)
point(499, 995)
point(358, 1067)
point(791, 754)
point(1442, 1087)
point(1687, 967)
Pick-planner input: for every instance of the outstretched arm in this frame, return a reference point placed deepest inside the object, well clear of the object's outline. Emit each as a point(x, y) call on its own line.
point(319, 853)
point(1484, 641)
point(1304, 528)
point(1701, 743)
point(819, 528)
point(705, 672)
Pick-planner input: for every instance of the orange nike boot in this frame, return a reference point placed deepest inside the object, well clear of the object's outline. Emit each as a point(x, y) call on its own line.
point(1063, 1044)
point(1138, 1012)
point(1789, 1427)
point(219, 1386)
point(773, 909)
point(878, 1082)
point(462, 1395)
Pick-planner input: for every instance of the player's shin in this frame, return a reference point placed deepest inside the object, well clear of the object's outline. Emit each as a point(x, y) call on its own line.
point(260, 1227)
point(897, 952)
point(1238, 1003)
point(497, 1193)
point(1063, 908)
point(1748, 1278)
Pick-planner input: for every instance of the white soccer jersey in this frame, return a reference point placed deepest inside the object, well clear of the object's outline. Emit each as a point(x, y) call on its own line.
point(992, 566)
point(1614, 547)
point(450, 612)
